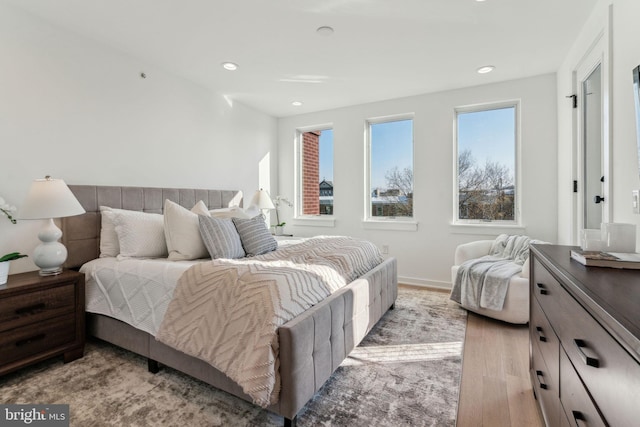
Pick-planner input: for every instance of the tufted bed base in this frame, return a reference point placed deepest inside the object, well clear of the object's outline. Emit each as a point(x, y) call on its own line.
point(312, 345)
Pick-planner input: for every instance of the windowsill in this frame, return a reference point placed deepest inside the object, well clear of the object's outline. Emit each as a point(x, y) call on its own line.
point(488, 228)
point(390, 224)
point(315, 221)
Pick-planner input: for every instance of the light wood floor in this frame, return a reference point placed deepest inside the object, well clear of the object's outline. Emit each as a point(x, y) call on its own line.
point(496, 387)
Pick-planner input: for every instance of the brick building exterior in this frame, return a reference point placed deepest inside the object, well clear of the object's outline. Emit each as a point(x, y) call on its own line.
point(311, 173)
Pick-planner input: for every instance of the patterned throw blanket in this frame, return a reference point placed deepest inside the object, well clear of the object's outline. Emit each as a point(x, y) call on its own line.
point(226, 312)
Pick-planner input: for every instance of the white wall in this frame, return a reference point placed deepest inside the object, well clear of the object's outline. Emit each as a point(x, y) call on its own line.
point(425, 256)
point(78, 110)
point(624, 49)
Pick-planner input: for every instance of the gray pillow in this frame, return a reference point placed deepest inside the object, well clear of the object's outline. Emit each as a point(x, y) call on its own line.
point(220, 237)
point(255, 236)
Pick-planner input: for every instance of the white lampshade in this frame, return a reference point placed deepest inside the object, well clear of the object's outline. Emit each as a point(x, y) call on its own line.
point(262, 200)
point(49, 198)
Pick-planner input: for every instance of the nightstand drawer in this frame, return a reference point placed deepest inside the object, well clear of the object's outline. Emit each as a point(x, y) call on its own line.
point(23, 342)
point(30, 307)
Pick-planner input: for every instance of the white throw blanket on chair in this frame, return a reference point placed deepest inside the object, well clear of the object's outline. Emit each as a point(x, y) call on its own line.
point(483, 282)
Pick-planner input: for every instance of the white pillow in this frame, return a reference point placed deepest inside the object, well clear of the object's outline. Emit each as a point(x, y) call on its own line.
point(182, 232)
point(232, 212)
point(140, 234)
point(109, 246)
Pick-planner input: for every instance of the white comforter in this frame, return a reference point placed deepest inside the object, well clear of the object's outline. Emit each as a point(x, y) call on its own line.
point(135, 291)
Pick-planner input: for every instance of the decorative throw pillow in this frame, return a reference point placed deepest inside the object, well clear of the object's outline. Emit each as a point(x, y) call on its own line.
point(255, 236)
point(220, 237)
point(182, 231)
point(140, 234)
point(109, 246)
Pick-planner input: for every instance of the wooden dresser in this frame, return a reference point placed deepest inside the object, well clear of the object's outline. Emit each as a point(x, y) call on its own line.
point(584, 340)
point(41, 317)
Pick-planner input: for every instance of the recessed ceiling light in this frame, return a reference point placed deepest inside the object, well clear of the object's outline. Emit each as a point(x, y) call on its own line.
point(480, 1)
point(229, 66)
point(296, 103)
point(324, 31)
point(486, 69)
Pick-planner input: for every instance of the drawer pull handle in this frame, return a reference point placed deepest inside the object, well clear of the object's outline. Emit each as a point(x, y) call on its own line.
point(578, 418)
point(542, 289)
point(32, 309)
point(588, 360)
point(542, 384)
point(541, 334)
point(30, 340)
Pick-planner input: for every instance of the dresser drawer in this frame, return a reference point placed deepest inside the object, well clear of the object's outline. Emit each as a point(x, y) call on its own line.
point(610, 374)
point(30, 307)
point(578, 406)
point(543, 336)
point(546, 387)
point(26, 341)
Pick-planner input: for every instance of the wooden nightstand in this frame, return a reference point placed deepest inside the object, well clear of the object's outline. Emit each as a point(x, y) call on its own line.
point(41, 317)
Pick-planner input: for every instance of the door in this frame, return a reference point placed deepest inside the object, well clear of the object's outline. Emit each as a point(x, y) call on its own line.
point(593, 173)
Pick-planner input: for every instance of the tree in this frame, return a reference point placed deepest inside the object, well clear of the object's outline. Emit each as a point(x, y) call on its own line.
point(401, 180)
point(484, 192)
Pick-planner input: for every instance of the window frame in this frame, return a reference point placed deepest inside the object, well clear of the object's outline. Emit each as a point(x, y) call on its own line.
point(299, 217)
point(516, 223)
point(386, 222)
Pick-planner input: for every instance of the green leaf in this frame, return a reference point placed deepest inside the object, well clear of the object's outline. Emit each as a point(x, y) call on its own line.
point(12, 256)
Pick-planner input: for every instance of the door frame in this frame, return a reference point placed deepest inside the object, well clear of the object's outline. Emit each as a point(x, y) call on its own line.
point(596, 54)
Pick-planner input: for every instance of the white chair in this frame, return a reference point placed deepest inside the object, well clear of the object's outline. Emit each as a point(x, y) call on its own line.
point(516, 303)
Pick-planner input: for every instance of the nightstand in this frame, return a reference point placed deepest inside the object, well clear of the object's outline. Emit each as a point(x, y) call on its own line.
point(41, 317)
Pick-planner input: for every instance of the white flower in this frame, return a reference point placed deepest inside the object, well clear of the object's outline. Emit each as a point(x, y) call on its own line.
point(6, 209)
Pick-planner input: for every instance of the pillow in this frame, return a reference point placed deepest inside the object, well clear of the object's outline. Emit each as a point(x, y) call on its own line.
point(220, 237)
point(140, 234)
point(182, 231)
point(233, 212)
point(109, 246)
point(256, 238)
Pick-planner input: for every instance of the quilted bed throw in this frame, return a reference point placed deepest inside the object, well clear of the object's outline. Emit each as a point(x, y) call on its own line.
point(227, 312)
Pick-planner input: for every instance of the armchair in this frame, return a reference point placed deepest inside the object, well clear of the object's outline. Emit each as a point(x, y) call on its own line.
point(516, 303)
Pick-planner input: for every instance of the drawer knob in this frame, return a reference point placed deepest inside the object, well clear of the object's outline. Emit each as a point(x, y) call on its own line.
point(541, 382)
point(541, 336)
point(31, 309)
point(30, 340)
point(542, 289)
point(578, 418)
point(588, 359)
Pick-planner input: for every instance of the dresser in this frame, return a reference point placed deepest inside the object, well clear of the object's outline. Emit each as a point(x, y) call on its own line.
point(584, 340)
point(41, 317)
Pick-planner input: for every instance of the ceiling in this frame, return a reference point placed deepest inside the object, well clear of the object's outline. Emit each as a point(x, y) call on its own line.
point(380, 49)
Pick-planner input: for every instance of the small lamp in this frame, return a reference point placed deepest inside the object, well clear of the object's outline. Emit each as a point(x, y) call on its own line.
point(262, 201)
point(49, 198)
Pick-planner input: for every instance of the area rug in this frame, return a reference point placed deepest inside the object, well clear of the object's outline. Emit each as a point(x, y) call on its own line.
point(405, 372)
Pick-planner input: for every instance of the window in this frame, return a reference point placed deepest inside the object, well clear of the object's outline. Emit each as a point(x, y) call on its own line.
point(486, 164)
point(390, 172)
point(316, 172)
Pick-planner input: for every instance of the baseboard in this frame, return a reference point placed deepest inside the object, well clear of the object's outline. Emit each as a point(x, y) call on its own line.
point(413, 281)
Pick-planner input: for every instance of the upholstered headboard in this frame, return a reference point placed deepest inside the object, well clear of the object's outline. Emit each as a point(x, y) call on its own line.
point(81, 233)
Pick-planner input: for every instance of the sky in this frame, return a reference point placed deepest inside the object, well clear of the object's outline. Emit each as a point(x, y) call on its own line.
point(490, 134)
point(391, 146)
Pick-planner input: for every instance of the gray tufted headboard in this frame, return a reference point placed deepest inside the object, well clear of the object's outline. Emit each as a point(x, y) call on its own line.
point(81, 233)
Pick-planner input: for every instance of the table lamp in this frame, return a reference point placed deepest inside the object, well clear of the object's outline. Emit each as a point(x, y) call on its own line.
point(49, 198)
point(262, 201)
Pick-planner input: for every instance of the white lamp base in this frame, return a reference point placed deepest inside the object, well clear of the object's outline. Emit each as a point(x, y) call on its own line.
point(50, 254)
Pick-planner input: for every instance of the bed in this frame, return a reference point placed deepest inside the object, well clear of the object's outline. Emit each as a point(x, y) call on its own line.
point(311, 345)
